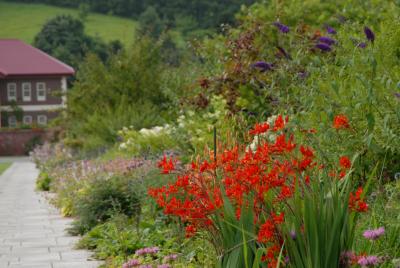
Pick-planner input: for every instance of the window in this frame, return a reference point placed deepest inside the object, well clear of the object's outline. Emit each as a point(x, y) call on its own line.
point(27, 119)
point(12, 121)
point(11, 91)
point(26, 92)
point(42, 119)
point(41, 91)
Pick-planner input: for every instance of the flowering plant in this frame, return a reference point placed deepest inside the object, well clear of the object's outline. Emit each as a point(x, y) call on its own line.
point(253, 202)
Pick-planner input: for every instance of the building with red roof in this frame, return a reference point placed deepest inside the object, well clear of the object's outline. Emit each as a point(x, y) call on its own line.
point(31, 80)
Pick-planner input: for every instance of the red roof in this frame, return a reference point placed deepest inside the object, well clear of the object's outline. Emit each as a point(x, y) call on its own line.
point(18, 58)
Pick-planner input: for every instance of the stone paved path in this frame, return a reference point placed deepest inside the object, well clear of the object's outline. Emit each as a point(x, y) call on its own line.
point(32, 233)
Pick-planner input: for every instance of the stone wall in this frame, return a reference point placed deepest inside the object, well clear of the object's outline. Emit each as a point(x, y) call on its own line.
point(19, 141)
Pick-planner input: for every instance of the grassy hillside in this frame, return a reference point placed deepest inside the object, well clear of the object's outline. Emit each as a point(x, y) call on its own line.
point(24, 21)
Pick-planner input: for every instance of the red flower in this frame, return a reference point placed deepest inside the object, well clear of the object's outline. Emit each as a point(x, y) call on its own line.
point(340, 121)
point(166, 165)
point(345, 162)
point(259, 128)
point(356, 202)
point(279, 123)
point(190, 230)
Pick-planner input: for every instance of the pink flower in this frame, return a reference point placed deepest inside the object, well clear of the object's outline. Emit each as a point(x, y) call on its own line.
point(366, 261)
point(374, 234)
point(131, 263)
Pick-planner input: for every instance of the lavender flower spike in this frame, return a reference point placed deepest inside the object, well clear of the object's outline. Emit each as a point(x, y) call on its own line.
point(369, 34)
point(262, 66)
point(367, 261)
point(374, 234)
point(330, 30)
point(323, 47)
point(327, 40)
point(282, 27)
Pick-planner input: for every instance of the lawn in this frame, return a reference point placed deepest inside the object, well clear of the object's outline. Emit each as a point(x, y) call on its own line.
point(24, 21)
point(4, 166)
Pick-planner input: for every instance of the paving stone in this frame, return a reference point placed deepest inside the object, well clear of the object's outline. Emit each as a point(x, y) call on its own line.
point(32, 233)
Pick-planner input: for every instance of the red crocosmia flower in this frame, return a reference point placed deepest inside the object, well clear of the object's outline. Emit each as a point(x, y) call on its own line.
point(341, 121)
point(345, 162)
point(266, 232)
point(279, 123)
point(306, 152)
point(356, 202)
point(259, 129)
point(166, 165)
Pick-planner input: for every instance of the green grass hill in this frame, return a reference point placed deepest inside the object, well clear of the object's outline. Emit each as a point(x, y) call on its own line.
point(24, 21)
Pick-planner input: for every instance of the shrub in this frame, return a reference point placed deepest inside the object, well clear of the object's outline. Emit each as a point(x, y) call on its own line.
point(43, 182)
point(103, 199)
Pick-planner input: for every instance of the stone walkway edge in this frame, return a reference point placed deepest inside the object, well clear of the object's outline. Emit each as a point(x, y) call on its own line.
point(32, 232)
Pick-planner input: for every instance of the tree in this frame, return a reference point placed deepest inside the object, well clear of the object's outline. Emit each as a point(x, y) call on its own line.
point(64, 38)
point(125, 91)
point(150, 23)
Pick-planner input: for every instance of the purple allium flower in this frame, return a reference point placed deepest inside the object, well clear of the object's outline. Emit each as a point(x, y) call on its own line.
point(374, 234)
point(366, 261)
point(362, 45)
point(262, 66)
point(330, 30)
point(327, 40)
point(282, 27)
point(323, 47)
point(369, 34)
point(131, 263)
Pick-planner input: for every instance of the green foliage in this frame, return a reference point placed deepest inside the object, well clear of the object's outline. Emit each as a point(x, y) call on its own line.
point(206, 14)
point(64, 38)
point(117, 237)
point(385, 211)
point(126, 91)
point(43, 182)
point(24, 21)
point(150, 23)
point(103, 200)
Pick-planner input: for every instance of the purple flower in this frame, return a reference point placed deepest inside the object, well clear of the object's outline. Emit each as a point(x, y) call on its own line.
point(131, 263)
point(144, 251)
point(262, 66)
point(374, 234)
point(362, 45)
point(366, 261)
point(369, 34)
point(346, 258)
point(164, 266)
point(146, 266)
point(327, 40)
point(293, 234)
point(330, 30)
point(282, 27)
point(397, 95)
point(171, 257)
point(323, 47)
